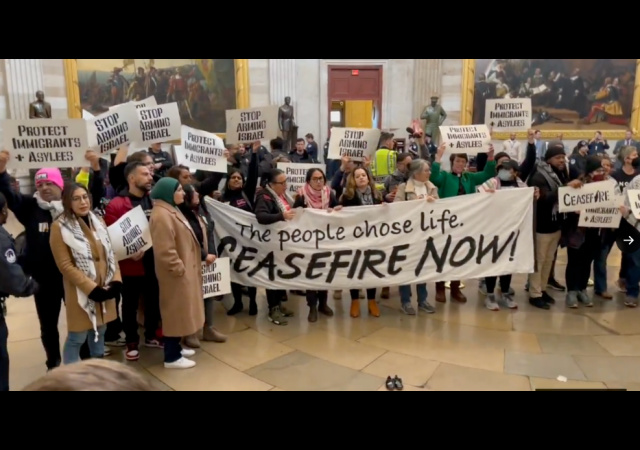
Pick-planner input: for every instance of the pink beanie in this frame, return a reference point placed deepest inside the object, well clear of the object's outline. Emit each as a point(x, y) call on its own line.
point(50, 176)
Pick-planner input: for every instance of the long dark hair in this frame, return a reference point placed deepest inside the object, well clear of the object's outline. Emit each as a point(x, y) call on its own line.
point(67, 200)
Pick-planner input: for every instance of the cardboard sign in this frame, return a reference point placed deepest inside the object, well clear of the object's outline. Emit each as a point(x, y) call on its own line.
point(297, 174)
point(216, 278)
point(201, 151)
point(605, 217)
point(130, 234)
point(112, 129)
point(469, 139)
point(38, 143)
point(508, 114)
point(356, 143)
point(634, 202)
point(253, 124)
point(159, 123)
point(589, 196)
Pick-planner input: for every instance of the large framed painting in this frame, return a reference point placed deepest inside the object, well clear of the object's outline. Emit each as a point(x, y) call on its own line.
point(203, 88)
point(569, 97)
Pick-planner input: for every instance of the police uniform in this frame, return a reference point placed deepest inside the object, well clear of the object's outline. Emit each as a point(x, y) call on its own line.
point(14, 282)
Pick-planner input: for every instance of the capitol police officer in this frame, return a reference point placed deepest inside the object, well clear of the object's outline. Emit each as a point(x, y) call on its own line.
point(14, 282)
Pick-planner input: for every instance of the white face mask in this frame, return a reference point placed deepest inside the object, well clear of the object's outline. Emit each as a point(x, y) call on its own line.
point(505, 175)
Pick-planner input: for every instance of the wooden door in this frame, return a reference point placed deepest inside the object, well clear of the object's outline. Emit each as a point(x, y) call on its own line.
point(358, 114)
point(357, 83)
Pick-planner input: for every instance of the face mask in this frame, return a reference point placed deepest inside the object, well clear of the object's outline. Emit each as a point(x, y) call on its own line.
point(598, 177)
point(636, 163)
point(504, 175)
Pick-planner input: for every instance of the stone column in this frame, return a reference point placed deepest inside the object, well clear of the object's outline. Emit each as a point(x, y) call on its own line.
point(427, 81)
point(24, 77)
point(282, 83)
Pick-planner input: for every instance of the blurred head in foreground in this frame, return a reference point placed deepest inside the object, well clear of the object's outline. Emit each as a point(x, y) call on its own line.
point(92, 375)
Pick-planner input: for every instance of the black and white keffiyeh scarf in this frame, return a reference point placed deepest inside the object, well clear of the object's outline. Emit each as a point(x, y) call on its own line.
point(281, 205)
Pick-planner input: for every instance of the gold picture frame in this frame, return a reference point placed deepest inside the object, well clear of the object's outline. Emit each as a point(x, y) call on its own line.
point(241, 67)
point(468, 90)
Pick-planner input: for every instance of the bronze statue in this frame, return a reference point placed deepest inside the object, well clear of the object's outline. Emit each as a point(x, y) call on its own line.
point(286, 122)
point(434, 116)
point(39, 109)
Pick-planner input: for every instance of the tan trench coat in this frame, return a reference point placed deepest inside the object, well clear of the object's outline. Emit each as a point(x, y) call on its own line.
point(407, 191)
point(179, 269)
point(74, 278)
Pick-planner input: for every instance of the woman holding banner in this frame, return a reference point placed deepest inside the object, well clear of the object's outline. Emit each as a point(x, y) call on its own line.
point(316, 195)
point(360, 190)
point(275, 205)
point(178, 268)
point(240, 193)
point(82, 250)
point(418, 187)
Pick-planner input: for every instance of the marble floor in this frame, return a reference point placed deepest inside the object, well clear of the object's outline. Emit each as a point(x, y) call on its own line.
point(461, 347)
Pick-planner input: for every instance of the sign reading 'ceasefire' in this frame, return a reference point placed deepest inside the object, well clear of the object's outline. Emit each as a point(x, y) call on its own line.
point(590, 195)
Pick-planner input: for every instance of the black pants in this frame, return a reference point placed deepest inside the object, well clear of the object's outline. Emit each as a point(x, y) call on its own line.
point(236, 290)
point(4, 355)
point(48, 303)
point(505, 284)
point(580, 261)
point(274, 297)
point(172, 349)
point(114, 328)
point(132, 289)
point(355, 294)
point(315, 297)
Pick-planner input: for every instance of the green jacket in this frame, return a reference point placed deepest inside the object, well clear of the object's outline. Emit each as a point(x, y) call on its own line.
point(448, 183)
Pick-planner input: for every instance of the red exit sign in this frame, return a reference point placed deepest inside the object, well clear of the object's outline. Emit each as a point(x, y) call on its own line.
point(355, 72)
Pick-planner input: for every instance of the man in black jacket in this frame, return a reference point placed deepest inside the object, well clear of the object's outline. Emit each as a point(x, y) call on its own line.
point(162, 160)
point(14, 282)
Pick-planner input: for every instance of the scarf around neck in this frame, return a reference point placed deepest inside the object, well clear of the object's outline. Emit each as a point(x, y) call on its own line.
point(366, 197)
point(281, 205)
point(73, 236)
point(315, 199)
point(54, 207)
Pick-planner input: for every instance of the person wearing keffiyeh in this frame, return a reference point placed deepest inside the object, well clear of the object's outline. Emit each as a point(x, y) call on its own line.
point(315, 194)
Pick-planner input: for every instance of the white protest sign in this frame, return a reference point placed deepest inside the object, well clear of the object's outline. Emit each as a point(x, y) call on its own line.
point(634, 202)
point(130, 234)
point(201, 151)
point(605, 217)
point(469, 139)
point(216, 278)
point(159, 123)
point(376, 246)
point(297, 174)
point(110, 130)
point(253, 124)
point(356, 143)
point(87, 115)
point(508, 114)
point(38, 143)
point(590, 195)
point(139, 104)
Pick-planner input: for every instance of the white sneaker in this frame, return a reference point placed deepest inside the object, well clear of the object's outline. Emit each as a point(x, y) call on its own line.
point(187, 352)
point(182, 363)
point(490, 303)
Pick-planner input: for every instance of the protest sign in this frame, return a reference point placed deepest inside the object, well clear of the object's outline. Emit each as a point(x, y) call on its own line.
point(469, 139)
point(379, 246)
point(37, 143)
point(87, 115)
point(605, 217)
point(146, 103)
point(216, 278)
point(130, 234)
point(356, 143)
point(633, 196)
point(508, 114)
point(253, 124)
point(112, 129)
point(590, 195)
point(297, 174)
point(159, 123)
point(201, 151)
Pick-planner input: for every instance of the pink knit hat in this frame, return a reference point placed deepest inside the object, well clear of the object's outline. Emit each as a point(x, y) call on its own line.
point(50, 176)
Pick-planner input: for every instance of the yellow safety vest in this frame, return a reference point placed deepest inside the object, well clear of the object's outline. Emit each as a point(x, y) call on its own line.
point(383, 165)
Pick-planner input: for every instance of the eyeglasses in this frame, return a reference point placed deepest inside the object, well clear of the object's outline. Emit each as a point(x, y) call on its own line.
point(80, 199)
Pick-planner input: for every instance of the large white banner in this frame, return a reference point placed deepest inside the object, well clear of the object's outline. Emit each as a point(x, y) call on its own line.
point(377, 246)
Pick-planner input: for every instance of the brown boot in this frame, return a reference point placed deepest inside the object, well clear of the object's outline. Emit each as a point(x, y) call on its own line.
point(441, 292)
point(385, 293)
point(323, 308)
point(192, 341)
point(210, 334)
point(313, 314)
point(355, 308)
point(456, 293)
point(373, 308)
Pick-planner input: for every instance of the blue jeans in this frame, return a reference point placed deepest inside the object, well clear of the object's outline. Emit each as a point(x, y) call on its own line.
point(71, 350)
point(600, 269)
point(405, 293)
point(633, 274)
